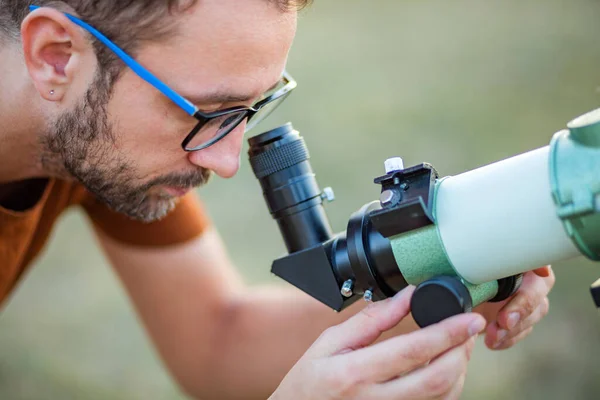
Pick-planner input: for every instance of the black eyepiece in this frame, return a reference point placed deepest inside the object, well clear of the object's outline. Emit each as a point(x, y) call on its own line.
point(280, 161)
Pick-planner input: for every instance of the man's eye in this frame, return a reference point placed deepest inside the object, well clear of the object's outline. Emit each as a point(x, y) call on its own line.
point(228, 121)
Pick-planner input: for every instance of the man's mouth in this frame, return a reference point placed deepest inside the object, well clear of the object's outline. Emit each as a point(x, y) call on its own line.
point(175, 191)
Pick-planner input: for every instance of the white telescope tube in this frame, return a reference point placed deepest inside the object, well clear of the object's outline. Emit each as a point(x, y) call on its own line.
point(500, 220)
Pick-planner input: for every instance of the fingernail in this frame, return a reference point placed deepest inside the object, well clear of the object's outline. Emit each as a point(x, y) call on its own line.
point(471, 346)
point(399, 297)
point(473, 339)
point(501, 335)
point(476, 326)
point(513, 319)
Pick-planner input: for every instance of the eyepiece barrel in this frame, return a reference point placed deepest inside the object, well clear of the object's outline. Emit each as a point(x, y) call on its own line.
point(280, 161)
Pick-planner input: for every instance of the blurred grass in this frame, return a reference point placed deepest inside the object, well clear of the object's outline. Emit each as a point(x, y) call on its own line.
point(456, 83)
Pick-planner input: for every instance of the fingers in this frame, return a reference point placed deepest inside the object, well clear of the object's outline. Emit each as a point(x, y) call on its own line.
point(507, 343)
point(442, 378)
point(457, 390)
point(396, 356)
point(365, 327)
point(459, 386)
point(471, 346)
point(497, 338)
point(425, 364)
point(532, 293)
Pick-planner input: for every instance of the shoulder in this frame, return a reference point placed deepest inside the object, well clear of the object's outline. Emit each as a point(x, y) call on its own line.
point(187, 221)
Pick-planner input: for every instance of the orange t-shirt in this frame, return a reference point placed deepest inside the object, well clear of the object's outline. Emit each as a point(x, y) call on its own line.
point(24, 234)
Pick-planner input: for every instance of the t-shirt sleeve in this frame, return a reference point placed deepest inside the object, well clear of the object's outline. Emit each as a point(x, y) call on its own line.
point(187, 221)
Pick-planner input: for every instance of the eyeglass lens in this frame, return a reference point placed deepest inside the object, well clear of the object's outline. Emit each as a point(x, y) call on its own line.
point(216, 128)
point(264, 112)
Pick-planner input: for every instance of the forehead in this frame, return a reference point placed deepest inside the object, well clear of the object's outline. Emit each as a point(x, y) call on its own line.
point(221, 44)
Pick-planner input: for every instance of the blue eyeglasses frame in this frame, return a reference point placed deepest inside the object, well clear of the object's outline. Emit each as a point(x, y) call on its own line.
point(203, 118)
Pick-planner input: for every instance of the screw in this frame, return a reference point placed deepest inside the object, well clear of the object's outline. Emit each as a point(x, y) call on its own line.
point(368, 296)
point(386, 197)
point(347, 288)
point(328, 194)
point(404, 186)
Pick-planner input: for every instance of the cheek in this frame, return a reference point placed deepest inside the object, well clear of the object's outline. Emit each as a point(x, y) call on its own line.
point(147, 133)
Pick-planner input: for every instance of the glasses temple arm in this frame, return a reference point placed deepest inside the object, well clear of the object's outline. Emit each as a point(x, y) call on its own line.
point(134, 65)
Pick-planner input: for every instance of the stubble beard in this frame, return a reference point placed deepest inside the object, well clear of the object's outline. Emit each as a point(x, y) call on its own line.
point(80, 145)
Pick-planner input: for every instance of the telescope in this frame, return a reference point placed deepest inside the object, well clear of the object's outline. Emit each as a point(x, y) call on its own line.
point(461, 240)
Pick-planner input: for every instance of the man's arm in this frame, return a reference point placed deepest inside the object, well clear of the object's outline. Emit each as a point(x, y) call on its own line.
point(218, 337)
point(222, 339)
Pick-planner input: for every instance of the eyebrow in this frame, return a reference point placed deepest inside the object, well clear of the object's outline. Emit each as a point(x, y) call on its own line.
point(219, 98)
point(225, 97)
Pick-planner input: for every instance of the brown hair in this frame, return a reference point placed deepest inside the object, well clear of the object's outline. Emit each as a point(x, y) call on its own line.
point(126, 22)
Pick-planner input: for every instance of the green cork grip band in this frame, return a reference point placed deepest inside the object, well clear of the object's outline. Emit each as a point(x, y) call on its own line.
point(482, 292)
point(575, 181)
point(420, 256)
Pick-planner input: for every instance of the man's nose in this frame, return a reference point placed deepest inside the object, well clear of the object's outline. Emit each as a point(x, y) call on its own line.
point(222, 157)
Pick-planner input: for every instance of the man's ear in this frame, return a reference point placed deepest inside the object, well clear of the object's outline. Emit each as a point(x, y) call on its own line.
point(57, 53)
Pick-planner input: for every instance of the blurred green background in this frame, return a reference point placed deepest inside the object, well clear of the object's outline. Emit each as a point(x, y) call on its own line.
point(456, 83)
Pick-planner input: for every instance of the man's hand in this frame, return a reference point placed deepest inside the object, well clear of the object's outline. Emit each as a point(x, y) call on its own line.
point(512, 320)
point(344, 363)
point(195, 307)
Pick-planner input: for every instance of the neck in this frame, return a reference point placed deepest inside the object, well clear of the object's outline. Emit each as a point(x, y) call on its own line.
point(21, 119)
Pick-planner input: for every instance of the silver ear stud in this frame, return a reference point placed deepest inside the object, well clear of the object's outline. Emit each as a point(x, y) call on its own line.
point(52, 92)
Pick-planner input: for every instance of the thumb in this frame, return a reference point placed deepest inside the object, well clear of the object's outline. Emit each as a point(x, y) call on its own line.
point(365, 327)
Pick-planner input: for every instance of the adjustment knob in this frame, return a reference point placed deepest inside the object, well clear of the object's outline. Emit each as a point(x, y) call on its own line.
point(439, 298)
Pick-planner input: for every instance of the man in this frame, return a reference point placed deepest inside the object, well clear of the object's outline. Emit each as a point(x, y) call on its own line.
point(123, 107)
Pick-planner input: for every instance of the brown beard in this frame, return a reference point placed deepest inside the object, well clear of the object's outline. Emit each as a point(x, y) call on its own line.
point(80, 146)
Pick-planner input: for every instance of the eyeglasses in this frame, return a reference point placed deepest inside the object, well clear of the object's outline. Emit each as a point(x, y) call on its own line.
point(210, 127)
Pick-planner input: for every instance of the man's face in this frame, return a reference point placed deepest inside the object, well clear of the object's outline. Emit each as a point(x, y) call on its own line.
point(124, 145)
